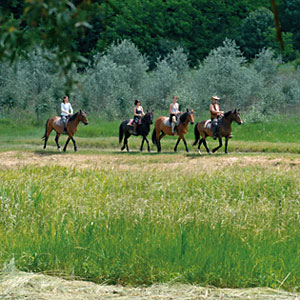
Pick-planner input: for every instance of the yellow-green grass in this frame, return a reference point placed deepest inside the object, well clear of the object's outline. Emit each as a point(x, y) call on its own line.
point(146, 219)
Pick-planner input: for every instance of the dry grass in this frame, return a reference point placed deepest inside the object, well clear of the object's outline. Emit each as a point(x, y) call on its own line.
point(19, 285)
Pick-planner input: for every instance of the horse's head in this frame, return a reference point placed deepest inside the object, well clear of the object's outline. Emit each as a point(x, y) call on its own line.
point(149, 117)
point(190, 116)
point(234, 115)
point(237, 117)
point(83, 117)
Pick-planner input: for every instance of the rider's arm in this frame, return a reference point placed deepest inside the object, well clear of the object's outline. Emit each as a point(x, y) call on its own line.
point(142, 110)
point(134, 111)
point(71, 110)
point(170, 109)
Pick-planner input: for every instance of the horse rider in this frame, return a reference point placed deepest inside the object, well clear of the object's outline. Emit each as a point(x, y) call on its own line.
point(66, 111)
point(215, 115)
point(138, 112)
point(174, 113)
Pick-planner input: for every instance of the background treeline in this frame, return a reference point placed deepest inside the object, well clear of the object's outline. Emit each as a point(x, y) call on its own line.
point(117, 51)
point(155, 27)
point(110, 83)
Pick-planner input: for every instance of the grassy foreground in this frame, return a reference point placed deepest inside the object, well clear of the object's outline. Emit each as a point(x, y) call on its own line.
point(147, 220)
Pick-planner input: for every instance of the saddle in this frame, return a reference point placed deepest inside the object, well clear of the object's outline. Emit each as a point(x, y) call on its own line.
point(207, 124)
point(61, 124)
point(131, 121)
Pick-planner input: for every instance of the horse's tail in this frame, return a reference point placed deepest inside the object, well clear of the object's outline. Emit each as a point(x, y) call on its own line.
point(44, 136)
point(197, 135)
point(121, 132)
point(154, 137)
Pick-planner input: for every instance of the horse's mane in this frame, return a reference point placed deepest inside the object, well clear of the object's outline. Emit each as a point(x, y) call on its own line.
point(227, 113)
point(73, 117)
point(183, 117)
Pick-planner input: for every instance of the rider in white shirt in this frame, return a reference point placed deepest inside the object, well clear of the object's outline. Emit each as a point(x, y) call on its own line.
point(66, 110)
point(174, 113)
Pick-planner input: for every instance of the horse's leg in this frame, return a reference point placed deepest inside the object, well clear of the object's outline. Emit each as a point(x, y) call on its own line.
point(226, 145)
point(175, 149)
point(205, 145)
point(200, 142)
point(186, 147)
point(126, 141)
point(48, 131)
point(141, 148)
point(56, 141)
point(74, 143)
point(159, 145)
point(220, 145)
point(147, 144)
point(66, 144)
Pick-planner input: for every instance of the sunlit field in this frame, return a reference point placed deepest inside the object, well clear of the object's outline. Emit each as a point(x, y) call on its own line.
point(139, 218)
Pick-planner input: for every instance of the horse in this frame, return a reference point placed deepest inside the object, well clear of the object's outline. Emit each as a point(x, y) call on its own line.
point(224, 130)
point(163, 127)
point(142, 129)
point(71, 128)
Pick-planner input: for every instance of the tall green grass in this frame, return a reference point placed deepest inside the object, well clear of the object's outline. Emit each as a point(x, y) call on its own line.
point(230, 227)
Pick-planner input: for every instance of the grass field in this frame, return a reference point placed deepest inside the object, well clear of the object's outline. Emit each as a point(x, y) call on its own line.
point(107, 216)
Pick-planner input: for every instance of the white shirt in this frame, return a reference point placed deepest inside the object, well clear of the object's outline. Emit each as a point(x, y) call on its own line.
point(174, 108)
point(66, 108)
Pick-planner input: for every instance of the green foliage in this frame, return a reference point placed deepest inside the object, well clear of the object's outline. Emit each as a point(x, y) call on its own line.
point(253, 31)
point(237, 226)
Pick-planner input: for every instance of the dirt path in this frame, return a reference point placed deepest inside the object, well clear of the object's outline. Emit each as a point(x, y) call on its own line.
point(18, 159)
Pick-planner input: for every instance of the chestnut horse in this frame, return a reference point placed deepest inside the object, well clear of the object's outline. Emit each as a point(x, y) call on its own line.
point(59, 128)
point(162, 127)
point(224, 130)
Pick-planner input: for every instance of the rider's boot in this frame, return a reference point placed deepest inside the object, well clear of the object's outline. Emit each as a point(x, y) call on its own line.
point(173, 127)
point(215, 132)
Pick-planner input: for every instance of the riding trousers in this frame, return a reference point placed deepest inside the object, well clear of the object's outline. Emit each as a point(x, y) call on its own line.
point(65, 120)
point(214, 126)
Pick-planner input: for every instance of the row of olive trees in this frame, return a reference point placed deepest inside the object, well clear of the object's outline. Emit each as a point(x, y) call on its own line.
point(113, 80)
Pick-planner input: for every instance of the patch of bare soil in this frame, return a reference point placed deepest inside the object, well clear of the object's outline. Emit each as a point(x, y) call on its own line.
point(21, 286)
point(18, 159)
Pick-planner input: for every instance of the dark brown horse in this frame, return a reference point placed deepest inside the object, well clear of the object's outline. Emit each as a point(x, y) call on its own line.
point(54, 123)
point(162, 127)
point(224, 129)
point(142, 129)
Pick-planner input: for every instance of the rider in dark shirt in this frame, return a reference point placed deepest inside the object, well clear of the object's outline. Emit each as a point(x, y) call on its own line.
point(138, 112)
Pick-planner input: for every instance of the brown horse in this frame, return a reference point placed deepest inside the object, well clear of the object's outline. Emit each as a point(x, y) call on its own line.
point(162, 127)
point(59, 128)
point(224, 130)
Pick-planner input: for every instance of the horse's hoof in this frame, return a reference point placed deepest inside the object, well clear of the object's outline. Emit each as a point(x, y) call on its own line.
point(209, 153)
point(199, 152)
point(59, 149)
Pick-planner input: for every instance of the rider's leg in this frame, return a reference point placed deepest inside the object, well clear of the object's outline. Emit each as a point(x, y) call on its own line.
point(64, 119)
point(135, 123)
point(173, 124)
point(214, 124)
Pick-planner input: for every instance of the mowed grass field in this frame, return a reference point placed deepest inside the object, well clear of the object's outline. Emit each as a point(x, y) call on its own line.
point(139, 218)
